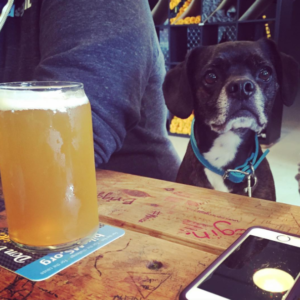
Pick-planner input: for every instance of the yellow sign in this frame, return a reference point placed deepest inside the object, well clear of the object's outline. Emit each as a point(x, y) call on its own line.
point(4, 237)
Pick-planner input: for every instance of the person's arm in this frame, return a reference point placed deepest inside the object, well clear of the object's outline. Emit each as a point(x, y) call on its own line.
point(107, 46)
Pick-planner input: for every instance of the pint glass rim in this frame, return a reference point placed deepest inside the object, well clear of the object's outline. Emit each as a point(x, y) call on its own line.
point(40, 86)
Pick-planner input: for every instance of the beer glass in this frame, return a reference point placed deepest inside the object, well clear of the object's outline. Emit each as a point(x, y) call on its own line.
point(47, 165)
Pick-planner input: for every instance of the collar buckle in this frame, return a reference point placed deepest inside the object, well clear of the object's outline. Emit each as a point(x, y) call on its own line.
point(249, 175)
point(226, 173)
point(249, 189)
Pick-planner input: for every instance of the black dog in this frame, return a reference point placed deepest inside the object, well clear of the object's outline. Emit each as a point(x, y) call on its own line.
point(231, 87)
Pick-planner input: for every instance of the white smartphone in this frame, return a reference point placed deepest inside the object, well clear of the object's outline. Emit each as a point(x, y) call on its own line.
point(262, 264)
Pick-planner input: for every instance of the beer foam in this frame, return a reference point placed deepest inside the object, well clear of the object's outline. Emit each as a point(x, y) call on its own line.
point(56, 100)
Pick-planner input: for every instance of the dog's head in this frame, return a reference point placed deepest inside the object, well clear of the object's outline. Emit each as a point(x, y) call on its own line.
point(232, 85)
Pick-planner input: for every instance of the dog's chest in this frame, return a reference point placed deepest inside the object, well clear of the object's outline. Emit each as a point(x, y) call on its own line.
point(222, 152)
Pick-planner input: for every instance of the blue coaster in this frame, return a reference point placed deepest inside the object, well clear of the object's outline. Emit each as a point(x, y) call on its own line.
point(37, 267)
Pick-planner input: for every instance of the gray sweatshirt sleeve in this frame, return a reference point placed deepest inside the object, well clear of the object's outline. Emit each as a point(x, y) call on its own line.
point(109, 47)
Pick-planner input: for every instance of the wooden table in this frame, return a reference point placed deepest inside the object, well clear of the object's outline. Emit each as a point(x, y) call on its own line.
point(173, 232)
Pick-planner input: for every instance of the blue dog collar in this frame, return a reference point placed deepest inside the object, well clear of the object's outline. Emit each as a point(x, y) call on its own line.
point(235, 177)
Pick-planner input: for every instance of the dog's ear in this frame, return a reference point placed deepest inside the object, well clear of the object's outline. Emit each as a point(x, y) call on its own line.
point(287, 69)
point(177, 87)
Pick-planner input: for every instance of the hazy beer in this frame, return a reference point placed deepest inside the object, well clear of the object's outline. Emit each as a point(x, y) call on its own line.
point(47, 164)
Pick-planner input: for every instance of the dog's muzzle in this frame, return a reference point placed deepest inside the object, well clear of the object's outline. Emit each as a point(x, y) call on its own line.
point(240, 105)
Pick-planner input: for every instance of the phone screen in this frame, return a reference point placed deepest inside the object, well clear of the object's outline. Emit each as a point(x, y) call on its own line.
point(233, 278)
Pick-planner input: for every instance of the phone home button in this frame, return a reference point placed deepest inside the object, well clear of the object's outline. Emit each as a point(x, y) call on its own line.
point(283, 238)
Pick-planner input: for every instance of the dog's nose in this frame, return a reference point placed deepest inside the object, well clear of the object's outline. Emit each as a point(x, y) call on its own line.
point(241, 88)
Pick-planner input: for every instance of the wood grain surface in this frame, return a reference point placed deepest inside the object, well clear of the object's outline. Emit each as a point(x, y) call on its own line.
point(134, 267)
point(195, 217)
point(173, 232)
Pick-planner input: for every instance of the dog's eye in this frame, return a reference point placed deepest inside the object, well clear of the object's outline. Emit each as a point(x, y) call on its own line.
point(210, 78)
point(265, 74)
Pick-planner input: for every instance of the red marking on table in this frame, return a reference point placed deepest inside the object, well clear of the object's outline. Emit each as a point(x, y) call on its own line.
point(152, 215)
point(201, 237)
point(108, 197)
point(221, 228)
